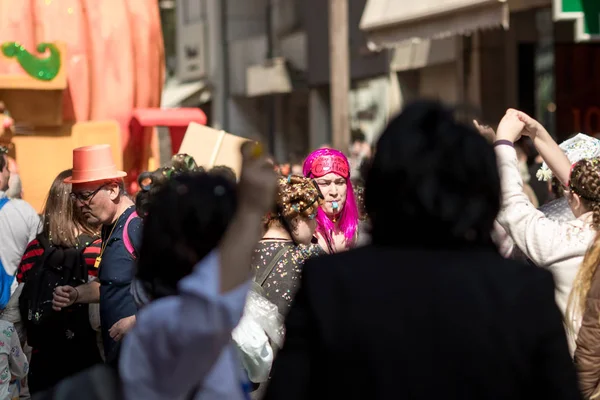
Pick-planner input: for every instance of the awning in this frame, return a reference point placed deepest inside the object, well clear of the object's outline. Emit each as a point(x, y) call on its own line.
point(175, 93)
point(390, 22)
point(419, 53)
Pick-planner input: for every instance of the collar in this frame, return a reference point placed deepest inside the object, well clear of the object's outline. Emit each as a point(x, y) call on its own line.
point(2, 194)
point(124, 213)
point(587, 217)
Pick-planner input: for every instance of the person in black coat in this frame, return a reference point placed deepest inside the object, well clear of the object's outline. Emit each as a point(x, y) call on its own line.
point(429, 310)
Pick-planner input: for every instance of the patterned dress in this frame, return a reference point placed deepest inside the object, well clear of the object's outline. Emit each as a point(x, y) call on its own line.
point(13, 363)
point(282, 283)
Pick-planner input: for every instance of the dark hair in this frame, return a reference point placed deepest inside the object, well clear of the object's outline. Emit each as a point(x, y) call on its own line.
point(3, 159)
point(359, 193)
point(432, 181)
point(225, 172)
point(62, 219)
point(358, 135)
point(557, 188)
point(187, 217)
point(151, 181)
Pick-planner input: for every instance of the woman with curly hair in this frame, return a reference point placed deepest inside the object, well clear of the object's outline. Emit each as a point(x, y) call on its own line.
point(287, 242)
point(277, 264)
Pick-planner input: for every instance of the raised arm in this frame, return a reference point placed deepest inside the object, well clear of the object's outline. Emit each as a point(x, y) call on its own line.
point(552, 154)
point(257, 194)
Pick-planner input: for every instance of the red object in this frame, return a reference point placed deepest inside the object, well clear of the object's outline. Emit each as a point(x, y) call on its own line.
point(176, 119)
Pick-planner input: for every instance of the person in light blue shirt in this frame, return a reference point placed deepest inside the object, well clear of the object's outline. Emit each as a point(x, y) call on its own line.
point(192, 279)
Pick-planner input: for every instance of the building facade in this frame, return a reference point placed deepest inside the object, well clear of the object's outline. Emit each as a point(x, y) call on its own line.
point(261, 70)
point(538, 55)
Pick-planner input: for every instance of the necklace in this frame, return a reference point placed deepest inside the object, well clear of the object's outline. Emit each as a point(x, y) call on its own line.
point(105, 243)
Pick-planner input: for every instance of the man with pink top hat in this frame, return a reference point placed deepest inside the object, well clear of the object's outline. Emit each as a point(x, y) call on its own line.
point(99, 192)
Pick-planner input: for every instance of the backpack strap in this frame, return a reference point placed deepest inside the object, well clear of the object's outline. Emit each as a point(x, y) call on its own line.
point(126, 238)
point(262, 277)
point(3, 202)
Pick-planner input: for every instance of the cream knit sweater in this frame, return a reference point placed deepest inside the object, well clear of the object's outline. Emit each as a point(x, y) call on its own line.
point(557, 246)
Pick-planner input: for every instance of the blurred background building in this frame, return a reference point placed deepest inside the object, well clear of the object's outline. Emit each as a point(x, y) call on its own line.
point(260, 68)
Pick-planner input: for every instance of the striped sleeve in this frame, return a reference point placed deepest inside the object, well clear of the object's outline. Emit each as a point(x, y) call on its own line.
point(91, 252)
point(33, 252)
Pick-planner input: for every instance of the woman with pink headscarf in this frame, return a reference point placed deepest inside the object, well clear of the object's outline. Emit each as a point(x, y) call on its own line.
point(337, 218)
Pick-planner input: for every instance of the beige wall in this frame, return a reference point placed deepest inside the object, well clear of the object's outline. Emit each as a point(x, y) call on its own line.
point(439, 82)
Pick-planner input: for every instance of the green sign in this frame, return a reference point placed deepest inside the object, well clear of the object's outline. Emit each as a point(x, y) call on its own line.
point(585, 13)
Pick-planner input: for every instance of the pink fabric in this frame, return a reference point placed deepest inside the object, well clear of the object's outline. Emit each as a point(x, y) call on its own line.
point(348, 222)
point(126, 238)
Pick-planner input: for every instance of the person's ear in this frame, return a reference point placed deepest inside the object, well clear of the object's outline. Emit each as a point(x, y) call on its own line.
point(575, 201)
point(113, 191)
point(293, 224)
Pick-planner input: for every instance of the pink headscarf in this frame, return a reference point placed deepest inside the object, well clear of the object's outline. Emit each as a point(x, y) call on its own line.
point(321, 162)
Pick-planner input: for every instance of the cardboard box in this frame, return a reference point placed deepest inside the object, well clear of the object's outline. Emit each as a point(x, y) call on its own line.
point(211, 147)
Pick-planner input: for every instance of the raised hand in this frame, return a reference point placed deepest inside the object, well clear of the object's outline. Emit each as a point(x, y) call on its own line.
point(258, 181)
point(532, 127)
point(510, 127)
point(485, 130)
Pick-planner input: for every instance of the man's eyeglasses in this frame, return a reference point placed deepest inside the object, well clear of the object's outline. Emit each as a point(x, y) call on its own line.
point(85, 196)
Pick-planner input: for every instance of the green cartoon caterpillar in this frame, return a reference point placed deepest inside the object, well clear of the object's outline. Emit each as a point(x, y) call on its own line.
point(44, 69)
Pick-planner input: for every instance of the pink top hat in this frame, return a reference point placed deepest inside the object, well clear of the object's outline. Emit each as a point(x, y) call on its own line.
point(93, 163)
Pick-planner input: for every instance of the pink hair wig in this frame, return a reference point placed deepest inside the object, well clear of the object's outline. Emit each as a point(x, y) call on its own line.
point(348, 222)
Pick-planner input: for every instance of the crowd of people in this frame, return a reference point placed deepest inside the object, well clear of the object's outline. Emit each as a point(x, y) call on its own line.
point(430, 265)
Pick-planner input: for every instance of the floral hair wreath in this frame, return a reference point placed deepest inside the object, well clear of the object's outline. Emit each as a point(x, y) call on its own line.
point(181, 163)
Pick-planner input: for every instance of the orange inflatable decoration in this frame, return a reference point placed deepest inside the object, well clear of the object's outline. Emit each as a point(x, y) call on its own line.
point(114, 59)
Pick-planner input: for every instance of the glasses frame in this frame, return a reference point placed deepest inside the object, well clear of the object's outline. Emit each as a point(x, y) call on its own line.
point(86, 196)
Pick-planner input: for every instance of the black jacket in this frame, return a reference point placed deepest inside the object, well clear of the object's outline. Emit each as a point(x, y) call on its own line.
point(384, 323)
